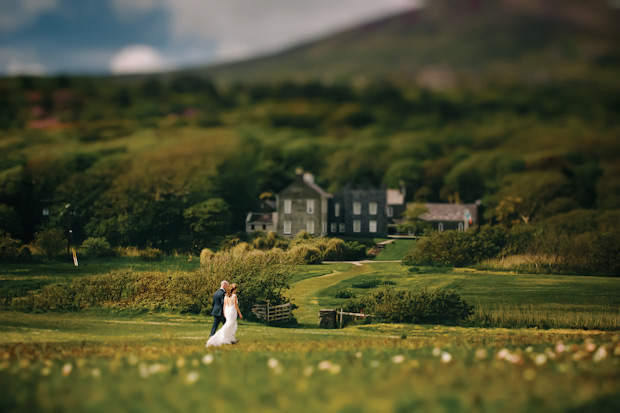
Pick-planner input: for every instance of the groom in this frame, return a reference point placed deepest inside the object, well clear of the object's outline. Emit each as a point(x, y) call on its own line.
point(218, 307)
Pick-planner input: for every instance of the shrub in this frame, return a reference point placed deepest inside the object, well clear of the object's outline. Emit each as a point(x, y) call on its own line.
point(454, 248)
point(268, 241)
point(97, 247)
point(305, 254)
point(51, 242)
point(438, 307)
point(344, 294)
point(10, 249)
point(205, 255)
point(147, 254)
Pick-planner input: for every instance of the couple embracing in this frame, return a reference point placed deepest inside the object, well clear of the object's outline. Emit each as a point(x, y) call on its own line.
point(225, 310)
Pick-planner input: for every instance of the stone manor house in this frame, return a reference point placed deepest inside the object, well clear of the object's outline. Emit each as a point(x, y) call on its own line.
point(351, 212)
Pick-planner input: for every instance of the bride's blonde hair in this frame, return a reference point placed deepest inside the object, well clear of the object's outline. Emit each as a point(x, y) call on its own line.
point(231, 289)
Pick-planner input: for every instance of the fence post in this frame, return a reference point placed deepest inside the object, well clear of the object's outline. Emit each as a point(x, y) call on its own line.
point(341, 317)
point(267, 312)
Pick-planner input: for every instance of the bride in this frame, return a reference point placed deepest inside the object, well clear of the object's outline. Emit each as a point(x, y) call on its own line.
point(226, 334)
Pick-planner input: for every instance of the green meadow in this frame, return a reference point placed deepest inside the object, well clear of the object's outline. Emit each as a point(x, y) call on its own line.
point(99, 360)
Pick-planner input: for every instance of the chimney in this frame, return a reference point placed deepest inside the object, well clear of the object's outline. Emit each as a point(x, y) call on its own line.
point(308, 178)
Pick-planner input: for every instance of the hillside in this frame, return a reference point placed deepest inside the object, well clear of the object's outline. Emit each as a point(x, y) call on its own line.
point(453, 42)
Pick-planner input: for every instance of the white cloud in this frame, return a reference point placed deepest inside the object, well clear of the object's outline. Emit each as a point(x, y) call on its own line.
point(18, 13)
point(15, 67)
point(138, 59)
point(242, 28)
point(20, 62)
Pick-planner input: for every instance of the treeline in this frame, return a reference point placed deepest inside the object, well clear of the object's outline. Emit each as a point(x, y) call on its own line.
point(177, 163)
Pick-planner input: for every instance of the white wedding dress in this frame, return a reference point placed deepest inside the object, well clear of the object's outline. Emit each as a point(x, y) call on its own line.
point(226, 334)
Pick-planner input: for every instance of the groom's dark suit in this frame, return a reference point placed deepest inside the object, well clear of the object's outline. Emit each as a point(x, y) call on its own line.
point(218, 310)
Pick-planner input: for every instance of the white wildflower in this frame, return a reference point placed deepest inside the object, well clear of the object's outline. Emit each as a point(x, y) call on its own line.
point(446, 357)
point(560, 347)
point(503, 354)
point(358, 354)
point(67, 369)
point(192, 377)
point(436, 352)
point(45, 371)
point(308, 371)
point(207, 359)
point(96, 373)
point(600, 354)
point(398, 359)
point(132, 359)
point(180, 362)
point(273, 363)
point(325, 365)
point(540, 359)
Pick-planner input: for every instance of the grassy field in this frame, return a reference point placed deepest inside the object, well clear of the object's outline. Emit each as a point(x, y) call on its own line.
point(102, 361)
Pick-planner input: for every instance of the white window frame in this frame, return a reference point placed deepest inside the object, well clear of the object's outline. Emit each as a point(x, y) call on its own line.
point(337, 209)
point(461, 227)
point(389, 211)
point(334, 227)
point(310, 226)
point(357, 208)
point(341, 227)
point(440, 227)
point(310, 206)
point(372, 225)
point(288, 206)
point(324, 227)
point(287, 227)
point(372, 208)
point(357, 225)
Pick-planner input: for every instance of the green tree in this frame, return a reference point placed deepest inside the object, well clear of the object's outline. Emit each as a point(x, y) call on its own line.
point(209, 221)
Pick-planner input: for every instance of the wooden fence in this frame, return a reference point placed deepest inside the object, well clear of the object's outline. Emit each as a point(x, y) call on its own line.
point(275, 313)
point(329, 318)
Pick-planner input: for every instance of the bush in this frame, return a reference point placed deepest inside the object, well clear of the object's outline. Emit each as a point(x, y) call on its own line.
point(205, 255)
point(51, 242)
point(305, 254)
point(11, 250)
point(438, 307)
point(147, 254)
point(97, 247)
point(344, 294)
point(454, 248)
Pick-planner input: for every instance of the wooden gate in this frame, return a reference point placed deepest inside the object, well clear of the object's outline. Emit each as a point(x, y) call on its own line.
point(275, 313)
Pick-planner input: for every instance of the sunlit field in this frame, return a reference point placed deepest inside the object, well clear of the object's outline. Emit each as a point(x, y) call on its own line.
point(99, 360)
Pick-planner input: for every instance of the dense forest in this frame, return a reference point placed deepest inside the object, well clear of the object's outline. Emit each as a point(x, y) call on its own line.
point(149, 162)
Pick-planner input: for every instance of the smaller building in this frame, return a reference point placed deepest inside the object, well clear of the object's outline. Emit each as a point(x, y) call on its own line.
point(444, 217)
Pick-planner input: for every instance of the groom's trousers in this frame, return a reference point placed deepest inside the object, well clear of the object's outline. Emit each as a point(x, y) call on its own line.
point(217, 319)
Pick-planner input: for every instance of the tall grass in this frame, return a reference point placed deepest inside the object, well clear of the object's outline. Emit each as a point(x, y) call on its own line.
point(541, 316)
point(529, 263)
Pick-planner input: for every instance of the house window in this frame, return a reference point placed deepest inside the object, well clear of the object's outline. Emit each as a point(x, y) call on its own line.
point(341, 227)
point(372, 208)
point(310, 206)
point(287, 227)
point(357, 208)
point(372, 226)
point(440, 227)
point(357, 226)
point(288, 203)
point(336, 209)
point(264, 227)
point(310, 227)
point(389, 210)
point(46, 212)
point(461, 226)
point(334, 227)
point(252, 227)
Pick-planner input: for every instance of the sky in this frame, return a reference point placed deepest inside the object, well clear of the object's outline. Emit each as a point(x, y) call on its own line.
point(48, 37)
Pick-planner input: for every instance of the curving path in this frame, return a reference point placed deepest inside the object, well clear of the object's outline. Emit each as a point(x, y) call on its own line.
point(305, 293)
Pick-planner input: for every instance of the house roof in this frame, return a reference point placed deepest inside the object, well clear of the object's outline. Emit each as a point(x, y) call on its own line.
point(449, 212)
point(395, 197)
point(308, 179)
point(260, 217)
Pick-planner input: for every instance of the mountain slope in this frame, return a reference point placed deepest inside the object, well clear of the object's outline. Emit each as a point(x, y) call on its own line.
point(450, 42)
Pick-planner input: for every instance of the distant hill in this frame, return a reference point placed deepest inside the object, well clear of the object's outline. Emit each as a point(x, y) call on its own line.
point(451, 42)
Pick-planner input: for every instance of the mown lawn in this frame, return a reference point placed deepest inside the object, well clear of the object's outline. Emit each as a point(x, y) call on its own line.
point(101, 361)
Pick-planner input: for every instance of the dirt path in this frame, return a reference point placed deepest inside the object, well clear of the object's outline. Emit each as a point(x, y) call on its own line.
point(305, 292)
